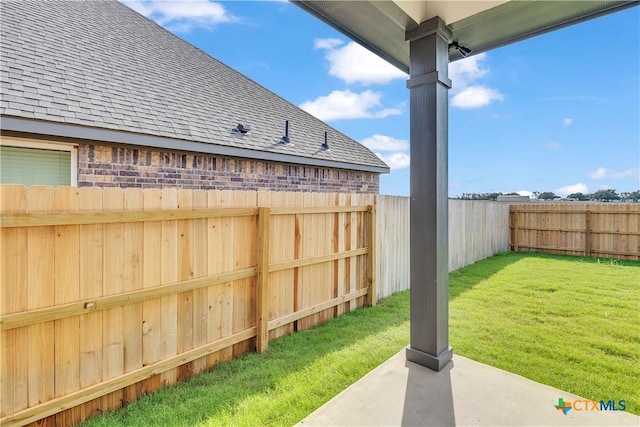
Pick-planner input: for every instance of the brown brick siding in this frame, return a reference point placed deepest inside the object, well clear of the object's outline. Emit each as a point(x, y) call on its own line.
point(106, 166)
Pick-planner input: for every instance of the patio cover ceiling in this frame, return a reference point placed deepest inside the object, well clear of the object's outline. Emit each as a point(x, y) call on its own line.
point(479, 25)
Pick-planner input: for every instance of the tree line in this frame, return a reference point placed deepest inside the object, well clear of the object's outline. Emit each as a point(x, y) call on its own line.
point(608, 195)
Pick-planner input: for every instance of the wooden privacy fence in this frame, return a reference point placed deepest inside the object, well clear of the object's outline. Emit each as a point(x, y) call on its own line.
point(477, 230)
point(596, 229)
point(110, 294)
point(392, 214)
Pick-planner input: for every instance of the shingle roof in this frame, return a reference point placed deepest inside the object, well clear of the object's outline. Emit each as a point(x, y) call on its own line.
point(102, 65)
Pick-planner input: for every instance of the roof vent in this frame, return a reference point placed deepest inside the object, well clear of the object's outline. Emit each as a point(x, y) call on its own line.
point(325, 146)
point(242, 128)
point(285, 139)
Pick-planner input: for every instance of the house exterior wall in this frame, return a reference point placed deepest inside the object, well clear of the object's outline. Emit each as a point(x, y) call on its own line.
point(111, 166)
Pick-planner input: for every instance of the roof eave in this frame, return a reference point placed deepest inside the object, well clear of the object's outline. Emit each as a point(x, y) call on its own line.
point(62, 130)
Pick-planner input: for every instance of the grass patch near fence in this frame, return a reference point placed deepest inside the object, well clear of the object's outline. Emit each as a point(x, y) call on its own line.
point(567, 322)
point(295, 376)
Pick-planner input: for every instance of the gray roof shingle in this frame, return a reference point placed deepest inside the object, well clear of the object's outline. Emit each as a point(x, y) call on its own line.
point(100, 64)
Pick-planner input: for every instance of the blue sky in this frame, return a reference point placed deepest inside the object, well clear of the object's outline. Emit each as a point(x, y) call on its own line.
point(559, 112)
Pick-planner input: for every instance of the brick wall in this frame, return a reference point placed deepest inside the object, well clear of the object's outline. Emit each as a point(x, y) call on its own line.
point(106, 166)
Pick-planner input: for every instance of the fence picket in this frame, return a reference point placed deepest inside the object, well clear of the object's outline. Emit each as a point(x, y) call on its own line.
point(133, 237)
point(151, 277)
point(113, 284)
point(91, 286)
point(200, 296)
point(40, 273)
point(14, 298)
point(185, 271)
point(169, 304)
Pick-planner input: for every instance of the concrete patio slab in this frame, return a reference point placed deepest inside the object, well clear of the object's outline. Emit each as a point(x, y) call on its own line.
point(465, 393)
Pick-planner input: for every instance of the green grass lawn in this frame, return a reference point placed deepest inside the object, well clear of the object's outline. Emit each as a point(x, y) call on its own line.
point(571, 323)
point(567, 322)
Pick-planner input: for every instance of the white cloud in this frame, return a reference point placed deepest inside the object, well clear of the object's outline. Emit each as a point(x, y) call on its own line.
point(475, 96)
point(569, 189)
point(353, 63)
point(396, 160)
point(601, 173)
point(466, 93)
point(552, 145)
point(385, 143)
point(598, 173)
point(326, 43)
point(567, 122)
point(183, 15)
point(629, 173)
point(466, 71)
point(394, 149)
point(344, 104)
point(525, 193)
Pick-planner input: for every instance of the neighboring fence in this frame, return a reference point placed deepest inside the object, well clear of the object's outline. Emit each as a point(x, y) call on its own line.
point(110, 294)
point(392, 213)
point(477, 230)
point(604, 230)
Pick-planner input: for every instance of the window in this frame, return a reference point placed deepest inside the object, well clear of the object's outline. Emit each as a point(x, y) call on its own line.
point(30, 162)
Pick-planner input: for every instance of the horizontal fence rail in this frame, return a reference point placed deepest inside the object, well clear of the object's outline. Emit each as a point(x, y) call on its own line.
point(110, 294)
point(595, 230)
point(37, 219)
point(31, 317)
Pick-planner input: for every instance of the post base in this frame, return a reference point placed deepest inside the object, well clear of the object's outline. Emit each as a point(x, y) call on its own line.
point(436, 363)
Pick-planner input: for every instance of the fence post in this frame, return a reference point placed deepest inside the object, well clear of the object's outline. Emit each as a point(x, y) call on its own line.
point(262, 285)
point(587, 236)
point(515, 229)
point(371, 264)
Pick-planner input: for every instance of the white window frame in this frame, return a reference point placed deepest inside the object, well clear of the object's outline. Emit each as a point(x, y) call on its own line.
point(10, 141)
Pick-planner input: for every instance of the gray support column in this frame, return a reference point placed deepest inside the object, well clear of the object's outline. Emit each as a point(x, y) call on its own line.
point(429, 84)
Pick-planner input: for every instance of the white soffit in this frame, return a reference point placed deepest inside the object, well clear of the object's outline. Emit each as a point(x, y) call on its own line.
point(449, 11)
